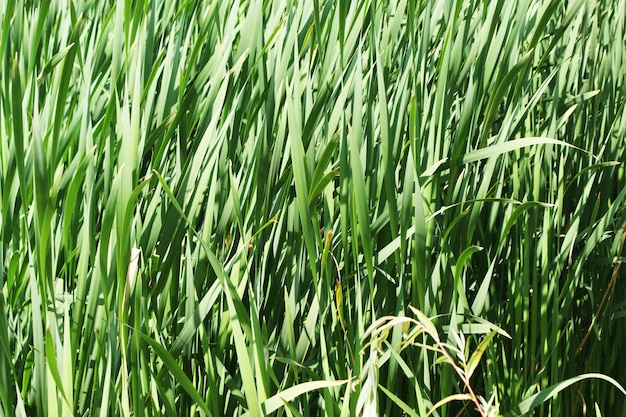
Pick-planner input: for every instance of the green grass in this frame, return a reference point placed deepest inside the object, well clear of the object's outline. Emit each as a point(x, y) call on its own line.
point(312, 208)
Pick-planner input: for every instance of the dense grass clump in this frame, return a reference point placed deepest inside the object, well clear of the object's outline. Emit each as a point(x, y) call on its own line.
point(312, 208)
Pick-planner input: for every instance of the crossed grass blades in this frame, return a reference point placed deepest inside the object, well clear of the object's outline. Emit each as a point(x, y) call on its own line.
point(312, 208)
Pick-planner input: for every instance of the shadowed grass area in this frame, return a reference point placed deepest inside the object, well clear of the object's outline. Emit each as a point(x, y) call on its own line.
point(312, 208)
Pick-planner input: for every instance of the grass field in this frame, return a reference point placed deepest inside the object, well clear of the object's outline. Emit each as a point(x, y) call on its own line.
point(312, 208)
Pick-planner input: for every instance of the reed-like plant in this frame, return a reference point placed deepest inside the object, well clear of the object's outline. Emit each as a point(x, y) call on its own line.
point(211, 207)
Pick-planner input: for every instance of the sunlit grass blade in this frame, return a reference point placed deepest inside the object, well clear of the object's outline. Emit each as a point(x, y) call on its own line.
point(544, 395)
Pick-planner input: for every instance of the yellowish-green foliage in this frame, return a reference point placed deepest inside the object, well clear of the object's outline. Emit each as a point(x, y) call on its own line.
point(252, 207)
